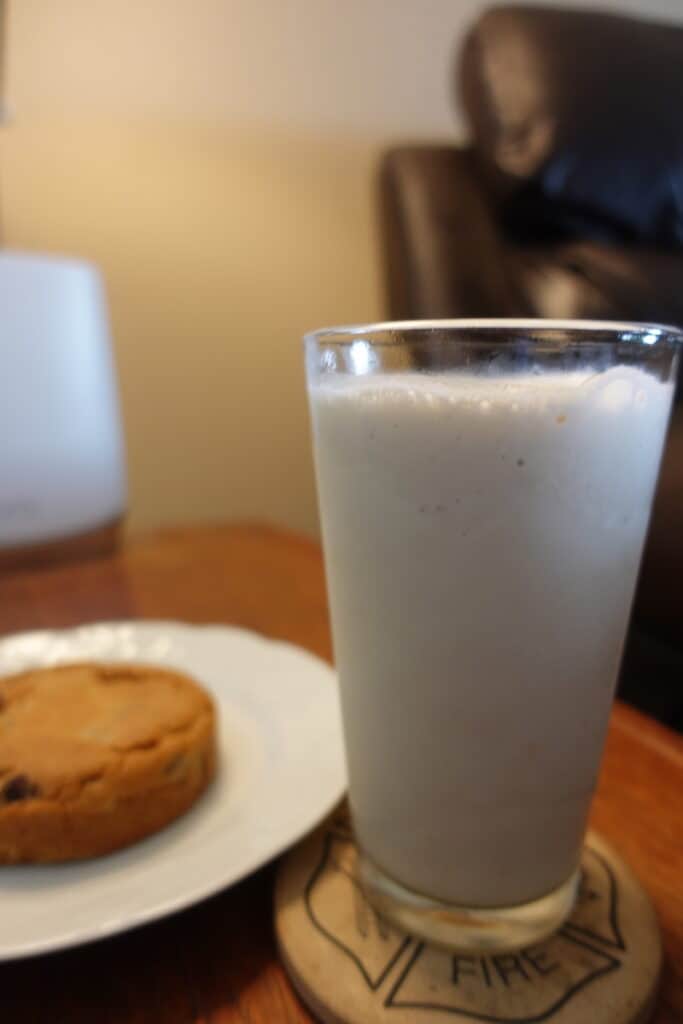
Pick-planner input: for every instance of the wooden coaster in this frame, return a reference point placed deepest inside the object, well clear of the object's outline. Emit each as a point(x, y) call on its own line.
point(350, 967)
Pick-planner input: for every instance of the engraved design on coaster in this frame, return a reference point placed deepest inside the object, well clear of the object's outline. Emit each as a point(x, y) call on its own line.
point(352, 967)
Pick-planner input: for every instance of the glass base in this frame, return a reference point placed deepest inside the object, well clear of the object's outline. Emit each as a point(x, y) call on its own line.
point(468, 930)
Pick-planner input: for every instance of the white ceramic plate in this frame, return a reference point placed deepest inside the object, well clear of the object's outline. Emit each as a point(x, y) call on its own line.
point(281, 770)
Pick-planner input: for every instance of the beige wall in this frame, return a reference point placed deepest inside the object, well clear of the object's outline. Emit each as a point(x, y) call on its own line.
point(216, 159)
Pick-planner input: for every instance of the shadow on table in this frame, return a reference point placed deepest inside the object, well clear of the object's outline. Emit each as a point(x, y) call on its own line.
point(182, 970)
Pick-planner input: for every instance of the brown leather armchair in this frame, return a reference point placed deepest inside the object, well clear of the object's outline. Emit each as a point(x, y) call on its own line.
point(568, 202)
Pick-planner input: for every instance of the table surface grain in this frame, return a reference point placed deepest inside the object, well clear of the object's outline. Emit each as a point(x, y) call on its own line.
point(216, 963)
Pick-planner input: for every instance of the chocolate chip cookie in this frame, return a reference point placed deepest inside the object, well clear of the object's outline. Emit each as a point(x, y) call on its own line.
point(94, 757)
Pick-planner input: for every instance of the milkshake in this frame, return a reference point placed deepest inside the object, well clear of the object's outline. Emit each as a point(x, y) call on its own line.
point(482, 535)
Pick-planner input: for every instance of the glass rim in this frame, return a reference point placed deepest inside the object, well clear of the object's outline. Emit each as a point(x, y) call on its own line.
point(482, 329)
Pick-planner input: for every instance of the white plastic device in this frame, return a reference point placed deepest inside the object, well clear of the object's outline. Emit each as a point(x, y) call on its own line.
point(62, 465)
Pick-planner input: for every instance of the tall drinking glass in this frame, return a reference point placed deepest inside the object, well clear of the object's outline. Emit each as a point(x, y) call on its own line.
point(485, 489)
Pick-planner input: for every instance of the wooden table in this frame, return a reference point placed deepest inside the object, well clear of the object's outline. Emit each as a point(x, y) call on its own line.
point(216, 963)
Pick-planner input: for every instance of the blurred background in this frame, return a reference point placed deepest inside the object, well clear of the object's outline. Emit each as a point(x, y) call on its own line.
point(217, 160)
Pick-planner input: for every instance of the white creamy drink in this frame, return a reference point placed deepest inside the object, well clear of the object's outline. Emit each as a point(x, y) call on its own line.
point(482, 539)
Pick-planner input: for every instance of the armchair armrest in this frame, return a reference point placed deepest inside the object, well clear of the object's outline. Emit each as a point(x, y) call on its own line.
point(443, 254)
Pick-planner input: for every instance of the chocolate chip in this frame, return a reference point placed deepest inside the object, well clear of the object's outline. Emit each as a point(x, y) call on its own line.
point(176, 766)
point(19, 787)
